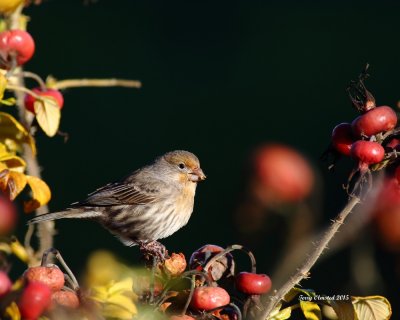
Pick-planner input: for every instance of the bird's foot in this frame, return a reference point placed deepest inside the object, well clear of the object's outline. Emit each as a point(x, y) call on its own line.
point(151, 250)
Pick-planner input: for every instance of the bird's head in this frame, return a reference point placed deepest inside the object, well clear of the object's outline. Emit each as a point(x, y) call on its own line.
point(186, 164)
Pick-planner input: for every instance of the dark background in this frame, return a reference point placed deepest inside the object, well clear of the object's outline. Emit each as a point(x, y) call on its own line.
point(219, 78)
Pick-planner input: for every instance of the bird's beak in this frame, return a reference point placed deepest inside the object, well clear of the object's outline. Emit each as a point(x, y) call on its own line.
point(197, 175)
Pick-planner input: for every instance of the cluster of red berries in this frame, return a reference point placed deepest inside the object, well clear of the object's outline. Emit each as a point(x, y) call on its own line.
point(213, 284)
point(16, 48)
point(362, 139)
point(373, 140)
point(43, 291)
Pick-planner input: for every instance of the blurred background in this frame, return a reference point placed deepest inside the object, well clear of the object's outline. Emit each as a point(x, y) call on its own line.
point(220, 79)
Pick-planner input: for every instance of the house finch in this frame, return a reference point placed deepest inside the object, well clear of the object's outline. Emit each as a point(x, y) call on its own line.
point(149, 204)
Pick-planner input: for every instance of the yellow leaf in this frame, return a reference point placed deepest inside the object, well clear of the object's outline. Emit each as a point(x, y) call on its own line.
point(14, 163)
point(12, 312)
point(4, 174)
point(10, 160)
point(122, 302)
point(99, 293)
point(115, 312)
point(11, 129)
point(5, 247)
point(19, 250)
point(48, 115)
point(343, 308)
point(19, 284)
point(372, 307)
point(3, 84)
point(310, 310)
point(282, 314)
point(16, 183)
point(41, 194)
point(121, 286)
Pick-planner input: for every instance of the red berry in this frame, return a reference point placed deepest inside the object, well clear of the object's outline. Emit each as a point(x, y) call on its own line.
point(342, 138)
point(393, 143)
point(367, 153)
point(35, 298)
point(387, 214)
point(18, 43)
point(5, 284)
point(374, 121)
point(223, 267)
point(52, 93)
point(283, 174)
point(68, 299)
point(8, 215)
point(253, 283)
point(53, 277)
point(207, 298)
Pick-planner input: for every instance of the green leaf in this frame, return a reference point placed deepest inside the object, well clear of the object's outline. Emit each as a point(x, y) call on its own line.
point(372, 307)
point(344, 309)
point(311, 310)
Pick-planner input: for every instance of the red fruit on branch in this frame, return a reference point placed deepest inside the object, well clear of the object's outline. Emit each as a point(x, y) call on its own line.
point(208, 298)
point(15, 43)
point(8, 215)
point(252, 283)
point(223, 267)
point(343, 138)
point(367, 153)
point(5, 284)
point(374, 121)
point(52, 276)
point(51, 93)
point(35, 299)
point(283, 174)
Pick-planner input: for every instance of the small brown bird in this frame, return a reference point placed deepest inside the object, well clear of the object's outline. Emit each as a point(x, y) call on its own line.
point(149, 204)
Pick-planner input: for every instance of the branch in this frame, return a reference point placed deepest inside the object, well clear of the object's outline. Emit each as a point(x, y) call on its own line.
point(320, 246)
point(45, 230)
point(76, 83)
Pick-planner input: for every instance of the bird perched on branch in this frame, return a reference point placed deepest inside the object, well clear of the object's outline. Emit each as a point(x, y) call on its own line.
point(149, 204)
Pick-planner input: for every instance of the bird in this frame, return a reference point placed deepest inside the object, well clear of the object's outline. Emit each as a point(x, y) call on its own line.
point(149, 204)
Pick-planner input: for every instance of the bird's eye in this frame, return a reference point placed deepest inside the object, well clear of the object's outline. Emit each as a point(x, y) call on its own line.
point(181, 166)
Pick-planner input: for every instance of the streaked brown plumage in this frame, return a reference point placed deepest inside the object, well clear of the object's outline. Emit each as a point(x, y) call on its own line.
point(151, 203)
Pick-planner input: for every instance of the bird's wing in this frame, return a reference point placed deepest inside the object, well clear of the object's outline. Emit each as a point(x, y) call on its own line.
point(119, 194)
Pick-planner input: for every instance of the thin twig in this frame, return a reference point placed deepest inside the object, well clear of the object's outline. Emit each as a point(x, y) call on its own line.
point(303, 271)
point(76, 83)
point(189, 298)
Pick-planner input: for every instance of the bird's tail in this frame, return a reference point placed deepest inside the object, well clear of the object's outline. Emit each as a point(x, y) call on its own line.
point(77, 213)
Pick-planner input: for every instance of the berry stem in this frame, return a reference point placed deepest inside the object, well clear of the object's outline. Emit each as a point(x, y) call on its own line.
point(77, 83)
point(37, 78)
point(192, 286)
point(60, 259)
point(303, 271)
